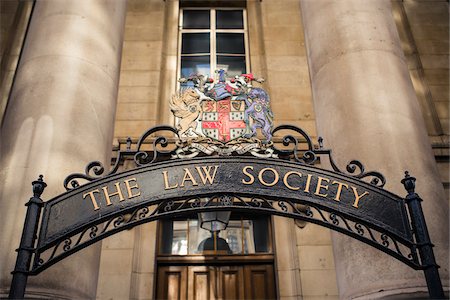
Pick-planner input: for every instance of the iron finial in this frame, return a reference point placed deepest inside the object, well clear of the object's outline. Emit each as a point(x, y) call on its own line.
point(320, 140)
point(38, 186)
point(128, 143)
point(409, 183)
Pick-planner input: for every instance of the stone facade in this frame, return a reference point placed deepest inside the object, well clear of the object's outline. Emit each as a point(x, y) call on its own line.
point(278, 51)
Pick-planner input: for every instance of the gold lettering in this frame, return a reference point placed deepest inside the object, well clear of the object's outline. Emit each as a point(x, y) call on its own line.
point(275, 180)
point(250, 176)
point(129, 188)
point(94, 201)
point(320, 186)
point(107, 196)
point(339, 189)
point(358, 197)
point(285, 180)
point(166, 182)
point(207, 176)
point(188, 177)
point(308, 182)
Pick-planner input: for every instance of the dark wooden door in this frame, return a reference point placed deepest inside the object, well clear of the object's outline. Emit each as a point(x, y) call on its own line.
point(216, 282)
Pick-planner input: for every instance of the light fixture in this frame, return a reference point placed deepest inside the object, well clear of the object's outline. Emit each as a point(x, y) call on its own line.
point(214, 221)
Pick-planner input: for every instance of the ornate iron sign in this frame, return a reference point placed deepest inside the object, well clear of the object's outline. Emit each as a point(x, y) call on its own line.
point(216, 162)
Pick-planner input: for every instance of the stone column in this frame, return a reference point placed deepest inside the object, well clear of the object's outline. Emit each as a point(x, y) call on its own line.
point(59, 117)
point(367, 109)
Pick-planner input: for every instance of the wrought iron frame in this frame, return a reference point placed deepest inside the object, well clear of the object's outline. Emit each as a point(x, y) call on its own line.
point(296, 147)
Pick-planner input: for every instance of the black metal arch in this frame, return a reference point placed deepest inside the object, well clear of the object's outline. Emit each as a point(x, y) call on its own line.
point(395, 246)
point(415, 250)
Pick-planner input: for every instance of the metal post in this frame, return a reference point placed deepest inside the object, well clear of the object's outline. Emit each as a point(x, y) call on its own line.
point(26, 248)
point(423, 241)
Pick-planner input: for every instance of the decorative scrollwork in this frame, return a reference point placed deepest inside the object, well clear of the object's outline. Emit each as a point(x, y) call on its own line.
point(334, 219)
point(119, 221)
point(143, 212)
point(169, 205)
point(226, 200)
point(256, 202)
point(94, 170)
point(377, 178)
point(359, 229)
point(312, 213)
point(298, 145)
point(67, 244)
point(283, 206)
point(385, 240)
point(93, 232)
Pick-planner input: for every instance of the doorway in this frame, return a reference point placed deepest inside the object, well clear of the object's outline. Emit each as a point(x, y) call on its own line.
point(243, 269)
point(251, 281)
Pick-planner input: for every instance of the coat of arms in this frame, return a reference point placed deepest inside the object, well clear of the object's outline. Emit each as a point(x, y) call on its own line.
point(225, 112)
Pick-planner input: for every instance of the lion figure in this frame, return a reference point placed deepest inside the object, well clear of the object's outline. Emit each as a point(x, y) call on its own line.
point(186, 106)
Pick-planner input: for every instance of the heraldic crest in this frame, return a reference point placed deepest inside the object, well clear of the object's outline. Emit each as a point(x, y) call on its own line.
point(222, 116)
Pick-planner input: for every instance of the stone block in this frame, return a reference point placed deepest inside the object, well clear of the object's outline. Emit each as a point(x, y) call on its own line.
point(289, 283)
point(142, 62)
point(300, 80)
point(319, 283)
point(139, 78)
point(141, 286)
point(283, 18)
point(124, 129)
point(312, 235)
point(439, 92)
point(288, 109)
point(148, 19)
point(285, 244)
point(424, 31)
point(116, 262)
point(286, 63)
point(122, 240)
point(113, 287)
point(138, 94)
point(436, 76)
point(428, 46)
point(283, 33)
point(285, 48)
point(319, 257)
point(136, 111)
point(442, 109)
point(307, 125)
point(145, 6)
point(435, 61)
point(145, 248)
point(435, 13)
point(140, 33)
point(141, 48)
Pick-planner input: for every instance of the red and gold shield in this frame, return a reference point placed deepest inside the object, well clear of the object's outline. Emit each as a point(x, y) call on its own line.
point(223, 120)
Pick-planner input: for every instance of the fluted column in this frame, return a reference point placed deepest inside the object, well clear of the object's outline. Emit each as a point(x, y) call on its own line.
point(59, 117)
point(367, 109)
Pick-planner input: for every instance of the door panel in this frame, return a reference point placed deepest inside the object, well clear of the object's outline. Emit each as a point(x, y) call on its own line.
point(216, 282)
point(231, 281)
point(200, 283)
point(172, 283)
point(259, 282)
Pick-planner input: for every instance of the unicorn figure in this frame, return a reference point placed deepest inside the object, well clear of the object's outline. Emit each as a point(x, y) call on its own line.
point(258, 108)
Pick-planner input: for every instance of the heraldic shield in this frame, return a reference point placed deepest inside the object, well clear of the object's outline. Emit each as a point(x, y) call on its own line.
point(222, 111)
point(223, 120)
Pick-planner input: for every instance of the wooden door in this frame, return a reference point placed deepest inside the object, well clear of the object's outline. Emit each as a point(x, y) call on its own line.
point(231, 282)
point(172, 282)
point(259, 282)
point(216, 282)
